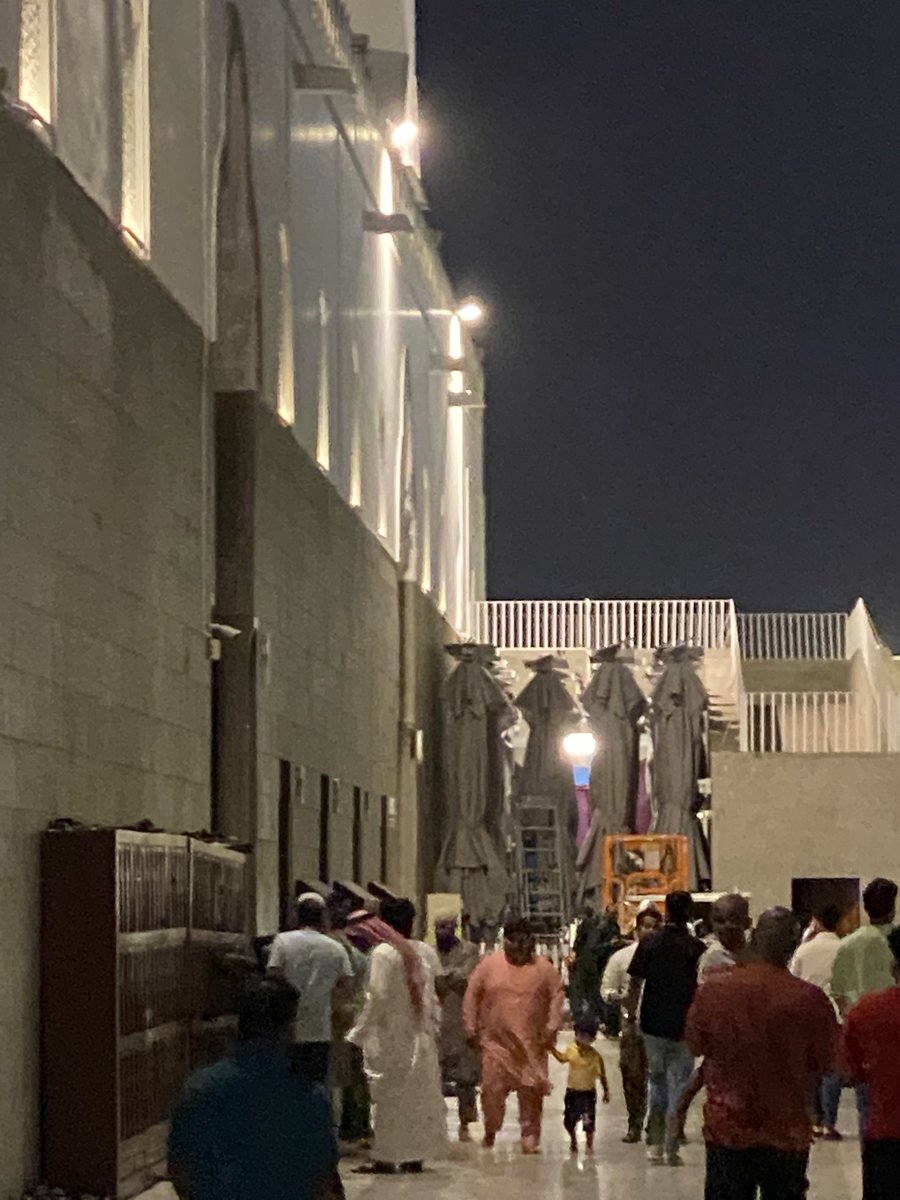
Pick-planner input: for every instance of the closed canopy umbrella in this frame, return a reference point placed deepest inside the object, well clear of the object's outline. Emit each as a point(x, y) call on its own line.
point(679, 702)
point(476, 711)
point(614, 704)
point(551, 713)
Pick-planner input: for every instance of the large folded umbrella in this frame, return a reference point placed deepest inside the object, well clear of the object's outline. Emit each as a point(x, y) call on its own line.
point(614, 704)
point(471, 863)
point(551, 713)
point(679, 702)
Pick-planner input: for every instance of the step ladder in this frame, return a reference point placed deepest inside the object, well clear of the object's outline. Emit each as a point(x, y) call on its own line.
point(542, 893)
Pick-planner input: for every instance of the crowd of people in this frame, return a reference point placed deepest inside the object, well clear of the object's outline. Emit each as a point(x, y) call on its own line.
point(357, 1032)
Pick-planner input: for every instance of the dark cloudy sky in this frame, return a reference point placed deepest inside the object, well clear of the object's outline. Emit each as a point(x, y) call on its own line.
point(685, 215)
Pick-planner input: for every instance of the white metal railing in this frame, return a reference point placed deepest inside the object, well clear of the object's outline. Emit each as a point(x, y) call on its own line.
point(736, 691)
point(819, 723)
point(576, 624)
point(793, 635)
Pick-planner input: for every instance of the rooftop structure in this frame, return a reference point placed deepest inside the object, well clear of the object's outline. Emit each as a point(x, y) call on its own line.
point(804, 726)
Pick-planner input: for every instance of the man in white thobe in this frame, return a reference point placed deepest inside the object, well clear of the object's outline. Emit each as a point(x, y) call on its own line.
point(397, 1033)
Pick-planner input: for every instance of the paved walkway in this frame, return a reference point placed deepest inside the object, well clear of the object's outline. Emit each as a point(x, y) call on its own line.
point(614, 1172)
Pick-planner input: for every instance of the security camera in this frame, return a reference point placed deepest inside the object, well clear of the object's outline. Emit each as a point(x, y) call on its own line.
point(228, 632)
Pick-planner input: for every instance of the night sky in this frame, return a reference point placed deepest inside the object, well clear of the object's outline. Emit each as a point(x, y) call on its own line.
point(685, 219)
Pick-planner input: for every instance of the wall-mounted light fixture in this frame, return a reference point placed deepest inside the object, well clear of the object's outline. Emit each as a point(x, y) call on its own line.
point(404, 135)
point(317, 80)
point(386, 223)
point(471, 311)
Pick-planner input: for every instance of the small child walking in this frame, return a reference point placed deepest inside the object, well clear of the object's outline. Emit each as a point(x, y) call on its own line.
point(585, 1068)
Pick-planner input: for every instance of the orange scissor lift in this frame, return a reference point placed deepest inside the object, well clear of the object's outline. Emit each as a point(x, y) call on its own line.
point(638, 868)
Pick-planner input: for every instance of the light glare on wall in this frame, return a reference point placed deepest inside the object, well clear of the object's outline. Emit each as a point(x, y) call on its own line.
point(285, 400)
point(455, 351)
point(37, 57)
point(386, 185)
point(323, 429)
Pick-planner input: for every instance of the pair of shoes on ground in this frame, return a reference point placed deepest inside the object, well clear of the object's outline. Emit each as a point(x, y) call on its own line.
point(382, 1168)
point(658, 1155)
point(529, 1145)
point(588, 1146)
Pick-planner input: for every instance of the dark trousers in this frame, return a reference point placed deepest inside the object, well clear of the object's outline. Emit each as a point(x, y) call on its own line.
point(737, 1174)
point(580, 1106)
point(467, 1101)
point(881, 1170)
point(633, 1065)
point(312, 1060)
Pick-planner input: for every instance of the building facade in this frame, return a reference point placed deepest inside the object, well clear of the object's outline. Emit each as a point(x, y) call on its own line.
point(241, 452)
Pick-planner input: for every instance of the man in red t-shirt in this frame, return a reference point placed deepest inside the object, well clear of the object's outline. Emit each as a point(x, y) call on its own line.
point(766, 1039)
point(871, 1055)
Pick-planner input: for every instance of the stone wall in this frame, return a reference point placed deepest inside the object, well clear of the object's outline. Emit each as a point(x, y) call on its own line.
point(329, 689)
point(106, 583)
point(779, 817)
point(796, 675)
point(104, 709)
point(432, 666)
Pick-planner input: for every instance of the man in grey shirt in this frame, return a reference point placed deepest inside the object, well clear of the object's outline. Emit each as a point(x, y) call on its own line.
point(319, 968)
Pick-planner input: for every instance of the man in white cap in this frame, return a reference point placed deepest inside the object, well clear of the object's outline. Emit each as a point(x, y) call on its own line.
point(316, 966)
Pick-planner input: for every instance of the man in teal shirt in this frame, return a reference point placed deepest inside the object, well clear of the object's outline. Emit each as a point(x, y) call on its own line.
point(250, 1127)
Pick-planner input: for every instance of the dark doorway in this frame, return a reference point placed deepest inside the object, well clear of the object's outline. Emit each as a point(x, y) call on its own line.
point(357, 847)
point(809, 896)
point(285, 829)
point(324, 829)
point(765, 728)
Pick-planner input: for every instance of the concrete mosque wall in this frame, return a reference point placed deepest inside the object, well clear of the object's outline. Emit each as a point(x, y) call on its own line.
point(780, 817)
point(223, 399)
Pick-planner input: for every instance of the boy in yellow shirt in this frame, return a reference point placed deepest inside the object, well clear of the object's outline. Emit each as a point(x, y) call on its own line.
point(585, 1068)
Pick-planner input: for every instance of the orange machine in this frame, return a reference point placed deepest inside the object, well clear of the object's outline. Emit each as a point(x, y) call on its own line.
point(639, 866)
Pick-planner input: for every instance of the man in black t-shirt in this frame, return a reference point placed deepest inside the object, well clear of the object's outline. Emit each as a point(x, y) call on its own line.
point(663, 981)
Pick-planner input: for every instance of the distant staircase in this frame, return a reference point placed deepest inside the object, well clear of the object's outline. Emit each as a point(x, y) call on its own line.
point(717, 674)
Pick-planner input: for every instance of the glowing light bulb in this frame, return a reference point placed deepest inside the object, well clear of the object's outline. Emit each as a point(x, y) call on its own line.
point(404, 135)
point(580, 745)
point(471, 311)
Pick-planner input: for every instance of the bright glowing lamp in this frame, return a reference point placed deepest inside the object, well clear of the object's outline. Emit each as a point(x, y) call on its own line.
point(471, 311)
point(404, 135)
point(580, 746)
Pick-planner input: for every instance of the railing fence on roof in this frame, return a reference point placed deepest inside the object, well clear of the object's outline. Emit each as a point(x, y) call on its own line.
point(576, 624)
point(819, 723)
point(793, 635)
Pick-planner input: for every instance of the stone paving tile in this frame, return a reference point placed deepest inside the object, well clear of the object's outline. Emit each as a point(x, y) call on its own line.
point(614, 1172)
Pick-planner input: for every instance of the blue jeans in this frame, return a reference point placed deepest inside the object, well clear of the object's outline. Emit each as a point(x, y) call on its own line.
point(669, 1067)
point(828, 1100)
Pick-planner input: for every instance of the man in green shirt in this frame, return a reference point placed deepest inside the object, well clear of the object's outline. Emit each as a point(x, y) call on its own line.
point(864, 963)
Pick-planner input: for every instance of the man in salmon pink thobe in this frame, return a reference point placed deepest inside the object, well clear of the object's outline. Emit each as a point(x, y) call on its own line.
point(513, 1010)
